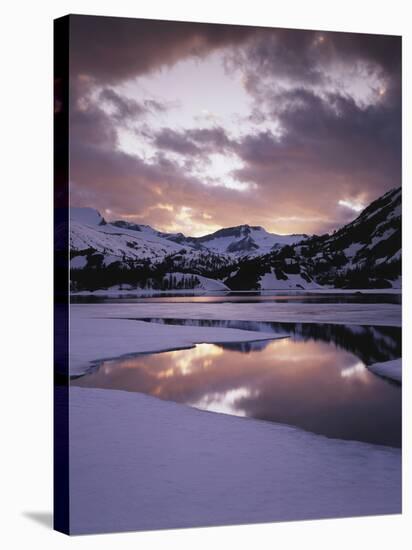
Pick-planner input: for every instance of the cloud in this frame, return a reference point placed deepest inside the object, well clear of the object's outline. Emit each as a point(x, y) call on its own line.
point(320, 130)
point(313, 58)
point(177, 142)
point(198, 141)
point(113, 49)
point(338, 147)
point(355, 206)
point(125, 109)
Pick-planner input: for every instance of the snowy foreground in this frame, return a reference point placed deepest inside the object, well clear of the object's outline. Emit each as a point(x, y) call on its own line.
point(140, 463)
point(388, 369)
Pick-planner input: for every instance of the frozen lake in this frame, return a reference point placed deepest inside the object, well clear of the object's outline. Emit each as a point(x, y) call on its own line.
point(150, 377)
point(315, 379)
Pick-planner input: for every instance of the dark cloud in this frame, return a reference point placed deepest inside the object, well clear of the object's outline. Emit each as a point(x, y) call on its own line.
point(331, 148)
point(330, 135)
point(202, 141)
point(112, 49)
point(306, 57)
point(91, 125)
point(178, 142)
point(216, 138)
point(127, 110)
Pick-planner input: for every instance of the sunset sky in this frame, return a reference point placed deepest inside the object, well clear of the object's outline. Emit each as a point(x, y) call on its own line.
point(193, 127)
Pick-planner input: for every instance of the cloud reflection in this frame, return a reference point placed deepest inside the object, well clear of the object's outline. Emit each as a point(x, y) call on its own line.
point(311, 384)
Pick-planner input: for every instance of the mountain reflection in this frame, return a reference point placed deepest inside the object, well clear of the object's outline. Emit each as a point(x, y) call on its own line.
point(372, 344)
point(315, 385)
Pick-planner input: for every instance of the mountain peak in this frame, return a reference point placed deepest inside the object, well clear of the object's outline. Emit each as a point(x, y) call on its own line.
point(86, 216)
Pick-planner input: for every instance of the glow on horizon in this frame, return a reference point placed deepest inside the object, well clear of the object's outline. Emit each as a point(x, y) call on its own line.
point(194, 224)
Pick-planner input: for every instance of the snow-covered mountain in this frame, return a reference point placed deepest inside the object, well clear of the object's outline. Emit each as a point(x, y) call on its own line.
point(242, 240)
point(245, 240)
point(130, 241)
point(372, 239)
point(364, 253)
point(90, 234)
point(108, 254)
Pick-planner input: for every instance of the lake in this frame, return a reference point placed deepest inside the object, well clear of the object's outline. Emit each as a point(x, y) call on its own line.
point(315, 377)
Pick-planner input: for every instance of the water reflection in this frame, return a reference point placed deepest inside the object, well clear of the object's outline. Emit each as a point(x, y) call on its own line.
point(315, 385)
point(372, 344)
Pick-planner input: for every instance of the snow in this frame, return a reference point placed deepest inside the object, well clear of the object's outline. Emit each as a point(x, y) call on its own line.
point(353, 249)
point(269, 281)
point(396, 212)
point(395, 257)
point(120, 243)
point(397, 284)
point(205, 283)
point(78, 262)
point(95, 335)
point(379, 237)
point(87, 216)
point(259, 236)
point(388, 369)
point(138, 463)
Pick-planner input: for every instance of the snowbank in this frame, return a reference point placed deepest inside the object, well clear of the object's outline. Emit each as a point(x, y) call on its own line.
point(140, 463)
point(269, 281)
point(388, 369)
point(95, 336)
point(205, 283)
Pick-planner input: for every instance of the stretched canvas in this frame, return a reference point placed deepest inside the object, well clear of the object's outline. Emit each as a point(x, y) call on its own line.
point(227, 274)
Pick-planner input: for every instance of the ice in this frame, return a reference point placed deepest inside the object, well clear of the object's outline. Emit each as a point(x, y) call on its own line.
point(388, 369)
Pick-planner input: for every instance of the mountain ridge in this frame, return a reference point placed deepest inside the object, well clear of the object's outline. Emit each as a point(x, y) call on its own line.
point(365, 253)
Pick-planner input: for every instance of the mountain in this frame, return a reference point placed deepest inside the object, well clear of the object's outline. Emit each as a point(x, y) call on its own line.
point(92, 237)
point(242, 240)
point(367, 250)
point(245, 240)
point(106, 254)
point(366, 253)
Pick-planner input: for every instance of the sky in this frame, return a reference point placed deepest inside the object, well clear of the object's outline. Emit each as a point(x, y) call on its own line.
point(191, 127)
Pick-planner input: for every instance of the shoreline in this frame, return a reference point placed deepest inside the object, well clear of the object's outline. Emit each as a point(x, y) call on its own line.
point(143, 293)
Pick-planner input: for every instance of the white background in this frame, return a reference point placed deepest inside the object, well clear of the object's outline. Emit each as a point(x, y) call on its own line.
point(26, 272)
